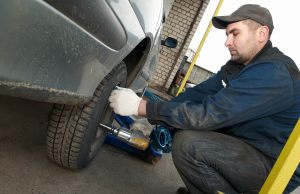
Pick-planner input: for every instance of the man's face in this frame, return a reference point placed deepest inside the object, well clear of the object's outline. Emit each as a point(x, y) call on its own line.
point(241, 42)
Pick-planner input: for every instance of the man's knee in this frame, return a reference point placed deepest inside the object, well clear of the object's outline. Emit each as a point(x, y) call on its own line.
point(187, 138)
point(185, 144)
point(179, 140)
point(194, 144)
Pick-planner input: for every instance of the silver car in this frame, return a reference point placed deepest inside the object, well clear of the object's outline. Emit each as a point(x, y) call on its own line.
point(73, 53)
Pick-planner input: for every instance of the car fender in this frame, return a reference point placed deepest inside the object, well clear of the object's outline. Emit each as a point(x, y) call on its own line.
point(46, 56)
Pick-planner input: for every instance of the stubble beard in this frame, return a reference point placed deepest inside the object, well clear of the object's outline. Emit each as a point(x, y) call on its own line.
point(239, 58)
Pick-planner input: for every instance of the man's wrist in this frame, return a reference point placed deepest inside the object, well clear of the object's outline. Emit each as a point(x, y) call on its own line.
point(142, 108)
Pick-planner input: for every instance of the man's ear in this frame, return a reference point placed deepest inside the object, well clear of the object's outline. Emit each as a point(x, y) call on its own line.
point(263, 33)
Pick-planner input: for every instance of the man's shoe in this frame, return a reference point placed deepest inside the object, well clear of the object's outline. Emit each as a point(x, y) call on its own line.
point(182, 190)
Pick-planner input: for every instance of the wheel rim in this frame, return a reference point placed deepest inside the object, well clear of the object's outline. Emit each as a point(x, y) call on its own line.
point(100, 133)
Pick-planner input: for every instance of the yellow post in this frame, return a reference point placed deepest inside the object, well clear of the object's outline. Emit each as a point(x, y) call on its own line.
point(285, 165)
point(198, 50)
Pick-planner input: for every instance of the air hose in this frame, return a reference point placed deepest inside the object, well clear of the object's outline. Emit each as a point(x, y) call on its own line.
point(152, 96)
point(160, 137)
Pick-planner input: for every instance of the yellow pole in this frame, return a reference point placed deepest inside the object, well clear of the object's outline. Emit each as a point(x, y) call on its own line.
point(198, 50)
point(285, 165)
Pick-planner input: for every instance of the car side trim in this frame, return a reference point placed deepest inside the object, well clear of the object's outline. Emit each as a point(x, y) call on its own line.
point(45, 94)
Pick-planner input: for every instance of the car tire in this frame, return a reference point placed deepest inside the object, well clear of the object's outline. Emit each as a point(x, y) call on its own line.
point(73, 134)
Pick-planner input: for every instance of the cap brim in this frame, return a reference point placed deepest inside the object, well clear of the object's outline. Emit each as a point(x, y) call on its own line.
point(221, 22)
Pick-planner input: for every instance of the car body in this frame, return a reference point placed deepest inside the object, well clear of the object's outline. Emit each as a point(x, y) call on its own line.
point(59, 50)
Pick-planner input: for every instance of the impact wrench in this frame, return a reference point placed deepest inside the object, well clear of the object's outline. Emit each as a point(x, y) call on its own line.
point(133, 138)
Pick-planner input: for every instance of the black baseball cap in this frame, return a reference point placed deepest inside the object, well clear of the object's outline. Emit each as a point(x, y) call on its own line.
point(248, 11)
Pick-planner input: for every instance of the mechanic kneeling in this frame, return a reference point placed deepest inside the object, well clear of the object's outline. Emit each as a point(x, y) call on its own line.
point(233, 126)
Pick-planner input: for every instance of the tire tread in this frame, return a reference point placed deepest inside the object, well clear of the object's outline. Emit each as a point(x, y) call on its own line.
point(67, 126)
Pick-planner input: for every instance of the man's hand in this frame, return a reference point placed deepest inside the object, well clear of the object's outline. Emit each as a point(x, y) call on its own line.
point(124, 102)
point(142, 125)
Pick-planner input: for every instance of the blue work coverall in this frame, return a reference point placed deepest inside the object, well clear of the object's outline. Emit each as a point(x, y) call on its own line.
point(258, 104)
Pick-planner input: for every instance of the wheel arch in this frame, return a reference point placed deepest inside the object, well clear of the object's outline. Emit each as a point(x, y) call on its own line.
point(136, 59)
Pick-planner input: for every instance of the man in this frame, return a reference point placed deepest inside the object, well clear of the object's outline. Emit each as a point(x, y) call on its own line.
point(235, 124)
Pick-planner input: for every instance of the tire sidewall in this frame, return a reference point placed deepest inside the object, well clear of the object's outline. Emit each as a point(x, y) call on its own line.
point(118, 77)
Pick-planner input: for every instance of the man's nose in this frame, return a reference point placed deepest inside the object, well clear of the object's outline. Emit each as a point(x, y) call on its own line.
point(228, 42)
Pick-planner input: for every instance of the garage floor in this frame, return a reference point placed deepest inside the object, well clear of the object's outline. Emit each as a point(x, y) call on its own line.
point(25, 168)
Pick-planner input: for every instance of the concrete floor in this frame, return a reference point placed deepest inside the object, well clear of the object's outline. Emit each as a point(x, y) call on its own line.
point(25, 168)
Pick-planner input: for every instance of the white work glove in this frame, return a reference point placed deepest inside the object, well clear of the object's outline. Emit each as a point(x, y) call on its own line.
point(124, 102)
point(142, 125)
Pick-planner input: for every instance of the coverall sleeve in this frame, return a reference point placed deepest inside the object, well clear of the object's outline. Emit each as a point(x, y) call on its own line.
point(196, 94)
point(260, 90)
